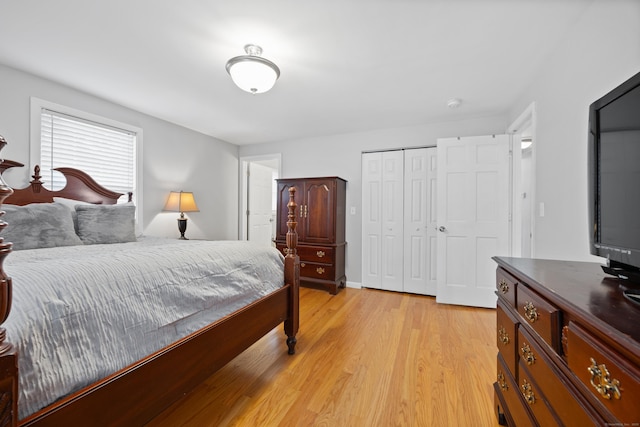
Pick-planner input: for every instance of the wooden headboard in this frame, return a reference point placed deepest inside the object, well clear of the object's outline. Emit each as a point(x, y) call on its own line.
point(80, 186)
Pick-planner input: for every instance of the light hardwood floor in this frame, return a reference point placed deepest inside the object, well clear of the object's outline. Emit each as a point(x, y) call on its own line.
point(364, 358)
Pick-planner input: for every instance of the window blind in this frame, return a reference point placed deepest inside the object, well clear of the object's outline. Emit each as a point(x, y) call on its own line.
point(104, 152)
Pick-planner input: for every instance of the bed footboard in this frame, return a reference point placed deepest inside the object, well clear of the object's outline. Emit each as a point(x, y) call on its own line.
point(8, 355)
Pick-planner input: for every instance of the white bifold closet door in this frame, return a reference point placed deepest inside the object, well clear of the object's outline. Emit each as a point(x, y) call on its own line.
point(398, 220)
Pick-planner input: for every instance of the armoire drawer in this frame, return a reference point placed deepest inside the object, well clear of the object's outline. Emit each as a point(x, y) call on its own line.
point(540, 315)
point(605, 374)
point(316, 254)
point(317, 271)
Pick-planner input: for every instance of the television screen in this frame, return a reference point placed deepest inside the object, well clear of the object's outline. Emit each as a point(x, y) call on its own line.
point(614, 178)
point(620, 171)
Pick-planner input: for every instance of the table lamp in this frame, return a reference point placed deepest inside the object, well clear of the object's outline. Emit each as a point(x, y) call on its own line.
point(181, 201)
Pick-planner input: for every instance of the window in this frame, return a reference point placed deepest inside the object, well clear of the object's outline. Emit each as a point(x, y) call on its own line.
point(104, 149)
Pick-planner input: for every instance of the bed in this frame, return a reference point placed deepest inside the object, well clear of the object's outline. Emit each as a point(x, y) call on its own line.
point(194, 342)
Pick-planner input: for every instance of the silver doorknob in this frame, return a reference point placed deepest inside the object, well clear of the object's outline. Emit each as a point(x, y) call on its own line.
point(442, 228)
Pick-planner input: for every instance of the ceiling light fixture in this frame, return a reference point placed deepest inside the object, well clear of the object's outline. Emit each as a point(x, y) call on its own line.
point(251, 72)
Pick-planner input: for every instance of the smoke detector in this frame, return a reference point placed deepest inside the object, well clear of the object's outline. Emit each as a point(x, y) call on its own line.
point(453, 103)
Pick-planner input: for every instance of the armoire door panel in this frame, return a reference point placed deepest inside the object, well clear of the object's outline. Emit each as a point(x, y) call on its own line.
point(319, 216)
point(282, 210)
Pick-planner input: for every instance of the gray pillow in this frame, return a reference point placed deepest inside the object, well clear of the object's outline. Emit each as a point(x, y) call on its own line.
point(71, 204)
point(39, 225)
point(106, 223)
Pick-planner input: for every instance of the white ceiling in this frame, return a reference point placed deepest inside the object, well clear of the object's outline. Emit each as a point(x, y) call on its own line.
point(346, 65)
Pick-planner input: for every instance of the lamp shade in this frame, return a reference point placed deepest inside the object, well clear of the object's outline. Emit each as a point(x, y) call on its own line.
point(181, 201)
point(253, 73)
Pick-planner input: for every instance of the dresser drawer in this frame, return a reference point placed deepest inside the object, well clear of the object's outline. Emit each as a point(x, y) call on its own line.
point(506, 337)
point(605, 374)
point(540, 315)
point(506, 286)
point(537, 401)
point(508, 389)
point(535, 363)
point(317, 271)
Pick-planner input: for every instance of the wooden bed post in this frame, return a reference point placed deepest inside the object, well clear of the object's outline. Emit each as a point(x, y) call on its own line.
point(8, 355)
point(292, 274)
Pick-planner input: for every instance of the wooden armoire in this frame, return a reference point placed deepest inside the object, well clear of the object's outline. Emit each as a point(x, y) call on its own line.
point(321, 229)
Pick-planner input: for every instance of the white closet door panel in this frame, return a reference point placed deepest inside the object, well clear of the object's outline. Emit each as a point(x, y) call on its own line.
point(432, 221)
point(392, 220)
point(416, 167)
point(371, 220)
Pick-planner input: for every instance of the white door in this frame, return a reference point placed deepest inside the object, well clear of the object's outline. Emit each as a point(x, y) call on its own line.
point(371, 219)
point(473, 217)
point(260, 218)
point(416, 221)
point(382, 222)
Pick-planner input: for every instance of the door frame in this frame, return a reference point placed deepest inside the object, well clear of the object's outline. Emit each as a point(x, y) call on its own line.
point(244, 163)
point(527, 120)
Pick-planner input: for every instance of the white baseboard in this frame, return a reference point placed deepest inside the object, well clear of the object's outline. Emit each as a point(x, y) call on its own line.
point(355, 285)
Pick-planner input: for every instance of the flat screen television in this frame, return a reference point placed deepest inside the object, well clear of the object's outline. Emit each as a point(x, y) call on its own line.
point(614, 179)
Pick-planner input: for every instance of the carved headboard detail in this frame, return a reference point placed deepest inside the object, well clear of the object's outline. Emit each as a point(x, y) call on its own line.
point(80, 186)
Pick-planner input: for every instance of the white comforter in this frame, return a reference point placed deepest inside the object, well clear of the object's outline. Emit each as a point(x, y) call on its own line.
point(81, 313)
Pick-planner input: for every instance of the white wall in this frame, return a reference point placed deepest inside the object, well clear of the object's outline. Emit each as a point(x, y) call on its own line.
point(340, 155)
point(174, 158)
point(601, 51)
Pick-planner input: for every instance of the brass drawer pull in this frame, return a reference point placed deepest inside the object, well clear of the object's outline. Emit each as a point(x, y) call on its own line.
point(302, 265)
point(503, 286)
point(530, 312)
point(502, 382)
point(527, 392)
point(320, 270)
point(527, 354)
point(320, 254)
point(503, 335)
point(602, 382)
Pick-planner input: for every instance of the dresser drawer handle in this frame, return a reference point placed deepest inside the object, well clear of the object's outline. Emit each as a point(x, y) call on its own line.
point(602, 382)
point(504, 286)
point(320, 270)
point(320, 254)
point(530, 312)
point(302, 265)
point(527, 354)
point(503, 335)
point(527, 392)
point(502, 382)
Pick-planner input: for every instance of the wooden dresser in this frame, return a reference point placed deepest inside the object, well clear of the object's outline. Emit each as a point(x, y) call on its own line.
point(321, 229)
point(569, 346)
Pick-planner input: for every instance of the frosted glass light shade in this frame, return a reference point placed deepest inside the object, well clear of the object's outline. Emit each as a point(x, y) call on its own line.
point(251, 72)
